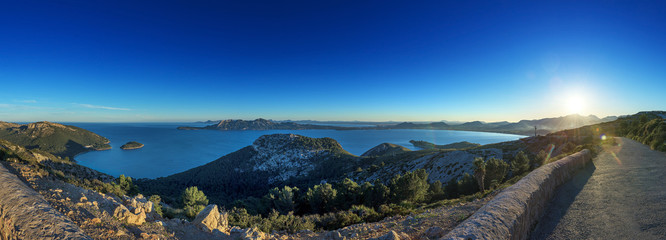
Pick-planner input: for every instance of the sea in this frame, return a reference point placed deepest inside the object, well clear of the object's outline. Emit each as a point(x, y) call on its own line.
point(168, 150)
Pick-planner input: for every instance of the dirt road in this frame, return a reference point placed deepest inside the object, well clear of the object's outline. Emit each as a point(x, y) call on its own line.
point(622, 195)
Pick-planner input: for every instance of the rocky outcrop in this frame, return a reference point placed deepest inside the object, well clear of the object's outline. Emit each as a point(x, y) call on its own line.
point(139, 202)
point(24, 214)
point(210, 219)
point(291, 155)
point(393, 235)
point(440, 166)
point(513, 212)
point(249, 234)
point(135, 210)
point(136, 217)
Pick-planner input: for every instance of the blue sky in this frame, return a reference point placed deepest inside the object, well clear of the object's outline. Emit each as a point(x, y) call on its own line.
point(329, 60)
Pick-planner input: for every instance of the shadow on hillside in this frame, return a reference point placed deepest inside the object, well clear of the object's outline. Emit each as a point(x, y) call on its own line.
point(561, 202)
point(71, 149)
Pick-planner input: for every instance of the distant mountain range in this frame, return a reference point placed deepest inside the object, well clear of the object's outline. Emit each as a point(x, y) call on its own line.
point(257, 124)
point(523, 127)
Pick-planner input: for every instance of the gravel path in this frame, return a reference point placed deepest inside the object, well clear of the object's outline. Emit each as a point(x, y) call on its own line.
point(622, 195)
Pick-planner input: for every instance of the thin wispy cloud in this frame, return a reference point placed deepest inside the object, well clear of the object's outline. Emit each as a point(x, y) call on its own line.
point(19, 106)
point(101, 107)
point(26, 101)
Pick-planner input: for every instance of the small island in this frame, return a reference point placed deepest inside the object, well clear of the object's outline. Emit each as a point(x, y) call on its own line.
point(131, 145)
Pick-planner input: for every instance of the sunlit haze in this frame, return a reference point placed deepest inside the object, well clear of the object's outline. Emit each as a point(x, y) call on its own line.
point(134, 61)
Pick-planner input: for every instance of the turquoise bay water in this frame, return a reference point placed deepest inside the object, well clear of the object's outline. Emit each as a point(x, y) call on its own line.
point(168, 150)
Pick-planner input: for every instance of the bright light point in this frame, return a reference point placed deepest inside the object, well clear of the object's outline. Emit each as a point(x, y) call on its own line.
point(574, 103)
point(603, 137)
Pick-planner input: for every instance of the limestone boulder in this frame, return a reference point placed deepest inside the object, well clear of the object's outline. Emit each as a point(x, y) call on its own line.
point(334, 235)
point(434, 233)
point(211, 219)
point(139, 202)
point(393, 235)
point(248, 234)
point(138, 217)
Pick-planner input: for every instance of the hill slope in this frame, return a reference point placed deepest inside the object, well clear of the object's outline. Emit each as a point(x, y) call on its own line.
point(60, 140)
point(272, 160)
point(385, 149)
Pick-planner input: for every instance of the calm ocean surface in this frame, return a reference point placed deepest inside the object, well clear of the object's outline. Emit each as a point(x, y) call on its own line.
point(168, 150)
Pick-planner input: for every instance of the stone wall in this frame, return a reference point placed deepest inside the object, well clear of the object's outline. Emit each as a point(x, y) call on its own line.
point(24, 214)
point(514, 211)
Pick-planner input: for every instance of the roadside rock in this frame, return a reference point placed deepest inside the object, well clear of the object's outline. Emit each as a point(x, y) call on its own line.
point(211, 219)
point(124, 214)
point(392, 235)
point(434, 233)
point(250, 234)
point(95, 221)
point(139, 202)
point(334, 235)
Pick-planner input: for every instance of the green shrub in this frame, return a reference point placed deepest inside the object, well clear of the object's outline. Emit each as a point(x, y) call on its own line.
point(241, 218)
point(157, 205)
point(435, 192)
point(342, 219)
point(127, 186)
point(412, 186)
point(520, 164)
point(496, 170)
point(467, 185)
point(282, 199)
point(366, 213)
point(393, 209)
point(193, 201)
point(192, 211)
point(539, 160)
point(174, 212)
point(451, 189)
point(349, 193)
point(321, 197)
point(479, 172)
point(376, 195)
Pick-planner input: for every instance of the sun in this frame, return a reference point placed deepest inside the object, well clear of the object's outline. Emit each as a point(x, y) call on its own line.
point(575, 103)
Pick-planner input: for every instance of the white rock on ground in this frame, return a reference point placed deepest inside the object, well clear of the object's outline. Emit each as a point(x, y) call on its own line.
point(211, 219)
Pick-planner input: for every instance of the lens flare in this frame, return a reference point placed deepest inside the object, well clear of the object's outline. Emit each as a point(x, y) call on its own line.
point(603, 137)
point(552, 147)
point(616, 158)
